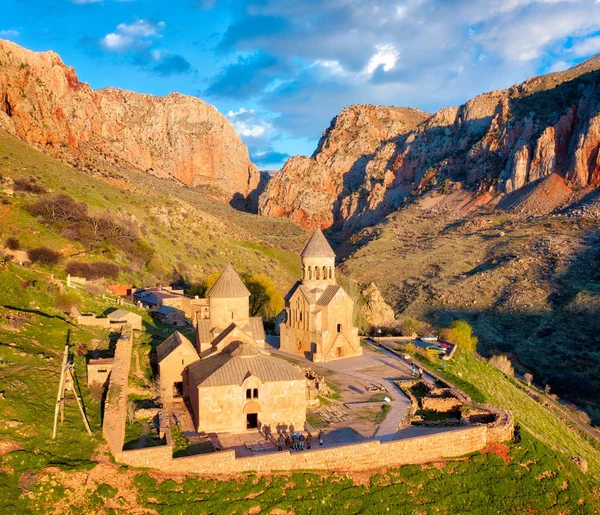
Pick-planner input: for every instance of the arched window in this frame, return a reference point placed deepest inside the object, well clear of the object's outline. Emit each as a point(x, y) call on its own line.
point(324, 272)
point(309, 272)
point(331, 272)
point(303, 273)
point(317, 274)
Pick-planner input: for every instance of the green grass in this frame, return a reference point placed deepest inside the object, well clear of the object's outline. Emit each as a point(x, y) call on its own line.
point(380, 416)
point(497, 389)
point(536, 480)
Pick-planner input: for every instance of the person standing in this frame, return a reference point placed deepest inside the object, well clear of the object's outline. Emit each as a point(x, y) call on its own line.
point(288, 442)
point(302, 440)
point(308, 441)
point(321, 434)
point(294, 441)
point(280, 442)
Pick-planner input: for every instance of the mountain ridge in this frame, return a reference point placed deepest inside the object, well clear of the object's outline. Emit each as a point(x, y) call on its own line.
point(495, 143)
point(43, 103)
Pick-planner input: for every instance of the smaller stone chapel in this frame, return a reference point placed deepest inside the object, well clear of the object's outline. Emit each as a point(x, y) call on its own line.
point(319, 319)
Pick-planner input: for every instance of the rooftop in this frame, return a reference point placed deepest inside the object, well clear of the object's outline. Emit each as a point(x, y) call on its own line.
point(318, 246)
point(229, 285)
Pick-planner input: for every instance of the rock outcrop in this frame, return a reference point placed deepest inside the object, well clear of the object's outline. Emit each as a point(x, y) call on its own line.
point(309, 190)
point(374, 309)
point(43, 103)
point(496, 143)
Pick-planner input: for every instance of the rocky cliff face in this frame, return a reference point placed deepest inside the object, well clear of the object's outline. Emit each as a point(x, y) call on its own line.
point(43, 103)
point(374, 309)
point(496, 143)
point(310, 190)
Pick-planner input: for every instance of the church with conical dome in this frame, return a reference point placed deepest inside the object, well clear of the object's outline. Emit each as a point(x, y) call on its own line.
point(318, 322)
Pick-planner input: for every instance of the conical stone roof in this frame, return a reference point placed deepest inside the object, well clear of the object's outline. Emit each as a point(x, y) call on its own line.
point(318, 246)
point(229, 285)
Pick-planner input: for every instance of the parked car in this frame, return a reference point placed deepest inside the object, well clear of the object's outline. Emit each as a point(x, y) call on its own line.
point(428, 339)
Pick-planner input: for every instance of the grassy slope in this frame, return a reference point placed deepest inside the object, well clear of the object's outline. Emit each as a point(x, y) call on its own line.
point(191, 231)
point(531, 288)
point(537, 477)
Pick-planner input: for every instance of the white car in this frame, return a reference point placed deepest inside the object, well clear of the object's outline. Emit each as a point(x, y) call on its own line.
point(428, 339)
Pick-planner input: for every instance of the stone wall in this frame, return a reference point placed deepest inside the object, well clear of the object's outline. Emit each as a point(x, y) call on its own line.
point(364, 456)
point(115, 407)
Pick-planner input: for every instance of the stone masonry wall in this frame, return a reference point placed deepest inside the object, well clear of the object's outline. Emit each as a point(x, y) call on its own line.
point(115, 408)
point(364, 456)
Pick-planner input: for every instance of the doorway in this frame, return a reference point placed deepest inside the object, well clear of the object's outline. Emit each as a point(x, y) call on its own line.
point(178, 389)
point(338, 352)
point(251, 420)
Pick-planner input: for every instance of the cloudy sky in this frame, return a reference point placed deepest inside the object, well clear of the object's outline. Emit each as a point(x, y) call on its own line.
point(281, 69)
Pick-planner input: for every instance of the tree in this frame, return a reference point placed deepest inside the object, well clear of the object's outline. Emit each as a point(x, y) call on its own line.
point(410, 326)
point(43, 256)
point(528, 378)
point(13, 243)
point(265, 298)
point(460, 333)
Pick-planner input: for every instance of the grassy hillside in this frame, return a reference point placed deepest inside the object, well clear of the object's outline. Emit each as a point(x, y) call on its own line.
point(73, 474)
point(530, 287)
point(189, 232)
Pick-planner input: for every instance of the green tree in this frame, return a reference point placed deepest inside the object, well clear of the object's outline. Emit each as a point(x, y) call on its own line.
point(461, 334)
point(410, 326)
point(265, 298)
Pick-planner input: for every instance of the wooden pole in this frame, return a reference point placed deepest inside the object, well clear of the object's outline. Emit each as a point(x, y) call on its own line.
point(79, 403)
point(61, 389)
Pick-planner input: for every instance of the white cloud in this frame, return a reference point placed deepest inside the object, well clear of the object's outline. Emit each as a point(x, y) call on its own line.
point(587, 47)
point(386, 56)
point(9, 33)
point(136, 34)
point(247, 124)
point(559, 66)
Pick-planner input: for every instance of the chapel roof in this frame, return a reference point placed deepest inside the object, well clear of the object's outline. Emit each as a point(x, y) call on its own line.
point(237, 362)
point(229, 285)
point(318, 246)
point(170, 344)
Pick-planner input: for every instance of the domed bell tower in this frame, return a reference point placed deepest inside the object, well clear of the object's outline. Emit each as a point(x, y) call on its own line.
point(318, 262)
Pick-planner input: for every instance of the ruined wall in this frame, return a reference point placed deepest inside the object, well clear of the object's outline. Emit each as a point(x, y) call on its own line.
point(115, 408)
point(363, 456)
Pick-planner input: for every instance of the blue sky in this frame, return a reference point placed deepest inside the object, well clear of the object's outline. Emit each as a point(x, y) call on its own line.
point(281, 69)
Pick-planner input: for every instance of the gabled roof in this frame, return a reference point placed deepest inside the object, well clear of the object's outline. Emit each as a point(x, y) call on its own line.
point(120, 313)
point(165, 310)
point(318, 246)
point(229, 285)
point(232, 367)
point(328, 295)
point(170, 344)
point(255, 328)
point(203, 334)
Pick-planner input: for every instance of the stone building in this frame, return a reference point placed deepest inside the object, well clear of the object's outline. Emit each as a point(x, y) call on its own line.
point(122, 316)
point(243, 387)
point(229, 314)
point(172, 356)
point(318, 322)
point(98, 371)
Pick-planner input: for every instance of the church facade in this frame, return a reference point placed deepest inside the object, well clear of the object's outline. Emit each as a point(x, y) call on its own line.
point(231, 383)
point(318, 322)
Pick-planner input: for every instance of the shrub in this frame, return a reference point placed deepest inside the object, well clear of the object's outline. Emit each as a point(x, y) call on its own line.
point(58, 208)
point(97, 270)
point(461, 334)
point(13, 243)
point(528, 378)
point(66, 302)
point(28, 186)
point(44, 256)
point(502, 363)
point(410, 326)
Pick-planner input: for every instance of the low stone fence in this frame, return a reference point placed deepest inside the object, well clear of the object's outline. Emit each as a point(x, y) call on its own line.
point(362, 456)
point(115, 407)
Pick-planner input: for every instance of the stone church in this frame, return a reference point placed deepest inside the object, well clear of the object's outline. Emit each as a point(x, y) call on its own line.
point(318, 322)
point(232, 384)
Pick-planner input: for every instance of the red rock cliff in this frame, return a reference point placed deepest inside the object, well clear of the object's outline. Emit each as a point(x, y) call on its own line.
point(498, 142)
point(43, 103)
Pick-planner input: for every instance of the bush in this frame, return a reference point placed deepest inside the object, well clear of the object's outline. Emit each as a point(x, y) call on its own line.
point(58, 208)
point(91, 271)
point(43, 256)
point(13, 243)
point(502, 363)
point(28, 186)
point(410, 326)
point(460, 333)
point(66, 302)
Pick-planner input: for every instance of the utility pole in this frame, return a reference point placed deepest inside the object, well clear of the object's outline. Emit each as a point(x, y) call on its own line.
point(67, 382)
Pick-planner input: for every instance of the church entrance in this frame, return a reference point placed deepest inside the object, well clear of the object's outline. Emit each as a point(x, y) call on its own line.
point(251, 420)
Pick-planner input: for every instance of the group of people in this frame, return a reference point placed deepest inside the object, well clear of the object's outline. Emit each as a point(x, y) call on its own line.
point(297, 441)
point(417, 372)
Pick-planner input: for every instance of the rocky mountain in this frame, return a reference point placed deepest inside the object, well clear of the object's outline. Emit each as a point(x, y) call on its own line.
point(495, 144)
point(312, 190)
point(43, 103)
